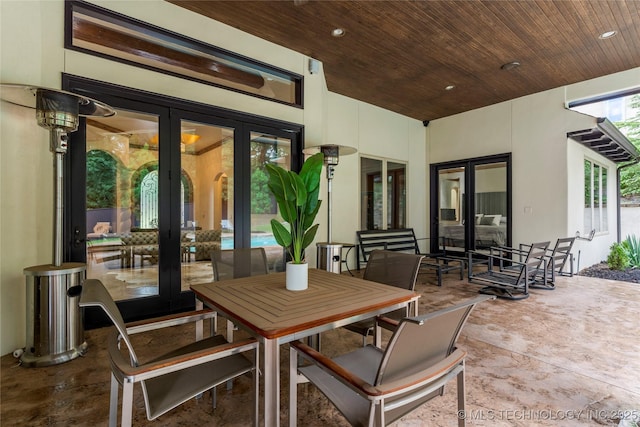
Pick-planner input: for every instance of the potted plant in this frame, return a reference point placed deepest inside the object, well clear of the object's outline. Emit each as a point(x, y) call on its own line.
point(297, 197)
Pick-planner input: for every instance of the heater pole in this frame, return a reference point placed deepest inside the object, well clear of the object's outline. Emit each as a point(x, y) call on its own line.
point(58, 145)
point(330, 170)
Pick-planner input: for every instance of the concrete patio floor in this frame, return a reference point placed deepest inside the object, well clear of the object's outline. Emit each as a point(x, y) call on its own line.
point(567, 357)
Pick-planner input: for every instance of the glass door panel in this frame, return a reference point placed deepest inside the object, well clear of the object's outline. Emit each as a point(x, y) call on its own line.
point(396, 195)
point(266, 148)
point(371, 194)
point(206, 198)
point(122, 247)
point(490, 210)
point(450, 215)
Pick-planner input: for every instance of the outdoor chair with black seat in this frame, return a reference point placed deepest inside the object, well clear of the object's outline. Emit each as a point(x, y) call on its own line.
point(372, 386)
point(177, 375)
point(394, 269)
point(509, 273)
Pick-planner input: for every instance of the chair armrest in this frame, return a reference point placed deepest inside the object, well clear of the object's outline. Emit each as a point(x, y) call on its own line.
point(496, 257)
point(428, 375)
point(399, 386)
point(170, 320)
point(340, 373)
point(387, 323)
point(163, 366)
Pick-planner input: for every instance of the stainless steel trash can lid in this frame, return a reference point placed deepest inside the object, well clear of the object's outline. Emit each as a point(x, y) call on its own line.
point(53, 270)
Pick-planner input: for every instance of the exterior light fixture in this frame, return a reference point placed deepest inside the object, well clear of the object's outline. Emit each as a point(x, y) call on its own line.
point(338, 32)
point(607, 35)
point(510, 65)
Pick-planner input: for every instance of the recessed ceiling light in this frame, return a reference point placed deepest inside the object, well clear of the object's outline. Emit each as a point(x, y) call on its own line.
point(510, 65)
point(450, 87)
point(607, 34)
point(338, 32)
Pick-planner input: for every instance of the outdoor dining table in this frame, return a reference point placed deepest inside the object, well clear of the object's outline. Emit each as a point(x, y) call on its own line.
point(263, 306)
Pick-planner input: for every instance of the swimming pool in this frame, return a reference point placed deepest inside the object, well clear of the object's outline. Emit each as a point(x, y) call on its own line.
point(257, 240)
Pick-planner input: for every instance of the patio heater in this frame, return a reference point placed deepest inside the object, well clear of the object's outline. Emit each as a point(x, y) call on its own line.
point(55, 333)
point(329, 253)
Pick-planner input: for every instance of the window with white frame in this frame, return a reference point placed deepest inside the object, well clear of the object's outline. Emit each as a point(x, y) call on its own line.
point(595, 197)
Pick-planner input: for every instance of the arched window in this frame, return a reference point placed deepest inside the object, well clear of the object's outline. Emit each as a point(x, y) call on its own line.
point(149, 200)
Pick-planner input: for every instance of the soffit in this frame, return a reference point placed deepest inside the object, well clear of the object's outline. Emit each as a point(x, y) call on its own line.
point(400, 55)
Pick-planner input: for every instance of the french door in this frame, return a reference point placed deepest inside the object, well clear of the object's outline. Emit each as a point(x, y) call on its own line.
point(154, 190)
point(471, 204)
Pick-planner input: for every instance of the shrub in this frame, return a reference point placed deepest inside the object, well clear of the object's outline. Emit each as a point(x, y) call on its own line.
point(632, 246)
point(618, 258)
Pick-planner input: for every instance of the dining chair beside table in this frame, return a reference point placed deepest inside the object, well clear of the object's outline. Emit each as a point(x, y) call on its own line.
point(262, 306)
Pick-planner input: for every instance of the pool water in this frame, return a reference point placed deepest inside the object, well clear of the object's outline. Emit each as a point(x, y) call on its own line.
point(257, 240)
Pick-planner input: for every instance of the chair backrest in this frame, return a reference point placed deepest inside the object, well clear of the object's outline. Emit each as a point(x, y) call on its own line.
point(94, 294)
point(234, 263)
point(393, 268)
point(534, 260)
point(561, 253)
point(420, 342)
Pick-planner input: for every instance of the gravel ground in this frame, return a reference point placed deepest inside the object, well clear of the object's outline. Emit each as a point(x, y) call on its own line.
point(603, 271)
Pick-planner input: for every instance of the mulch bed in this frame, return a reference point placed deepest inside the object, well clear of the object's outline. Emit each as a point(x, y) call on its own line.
point(603, 271)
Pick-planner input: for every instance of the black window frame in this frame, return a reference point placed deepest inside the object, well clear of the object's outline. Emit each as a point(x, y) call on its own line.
point(165, 35)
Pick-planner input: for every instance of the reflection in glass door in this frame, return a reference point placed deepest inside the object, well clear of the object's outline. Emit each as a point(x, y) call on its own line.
point(206, 198)
point(266, 148)
point(490, 205)
point(122, 247)
point(396, 195)
point(470, 204)
point(371, 194)
point(451, 218)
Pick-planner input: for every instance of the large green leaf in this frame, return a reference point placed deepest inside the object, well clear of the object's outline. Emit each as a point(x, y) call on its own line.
point(312, 201)
point(311, 170)
point(297, 185)
point(309, 236)
point(311, 216)
point(279, 182)
point(281, 234)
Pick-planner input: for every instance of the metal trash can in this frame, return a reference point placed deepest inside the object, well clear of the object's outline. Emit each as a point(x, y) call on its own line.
point(329, 257)
point(55, 333)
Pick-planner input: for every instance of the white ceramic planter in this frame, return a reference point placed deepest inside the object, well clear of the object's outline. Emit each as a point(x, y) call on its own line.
point(297, 276)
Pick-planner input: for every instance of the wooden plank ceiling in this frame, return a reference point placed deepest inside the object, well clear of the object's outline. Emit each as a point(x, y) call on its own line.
point(400, 55)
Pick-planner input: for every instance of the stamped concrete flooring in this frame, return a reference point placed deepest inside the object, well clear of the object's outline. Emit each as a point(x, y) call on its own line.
point(567, 357)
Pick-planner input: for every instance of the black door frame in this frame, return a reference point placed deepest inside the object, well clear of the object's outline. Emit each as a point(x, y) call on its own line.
point(469, 197)
point(171, 111)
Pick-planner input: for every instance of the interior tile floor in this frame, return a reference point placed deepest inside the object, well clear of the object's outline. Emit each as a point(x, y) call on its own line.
point(567, 357)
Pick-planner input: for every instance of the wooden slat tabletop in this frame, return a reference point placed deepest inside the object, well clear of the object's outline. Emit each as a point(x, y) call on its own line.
point(264, 305)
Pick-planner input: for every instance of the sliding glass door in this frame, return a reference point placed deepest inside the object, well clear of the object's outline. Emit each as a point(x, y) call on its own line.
point(471, 204)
